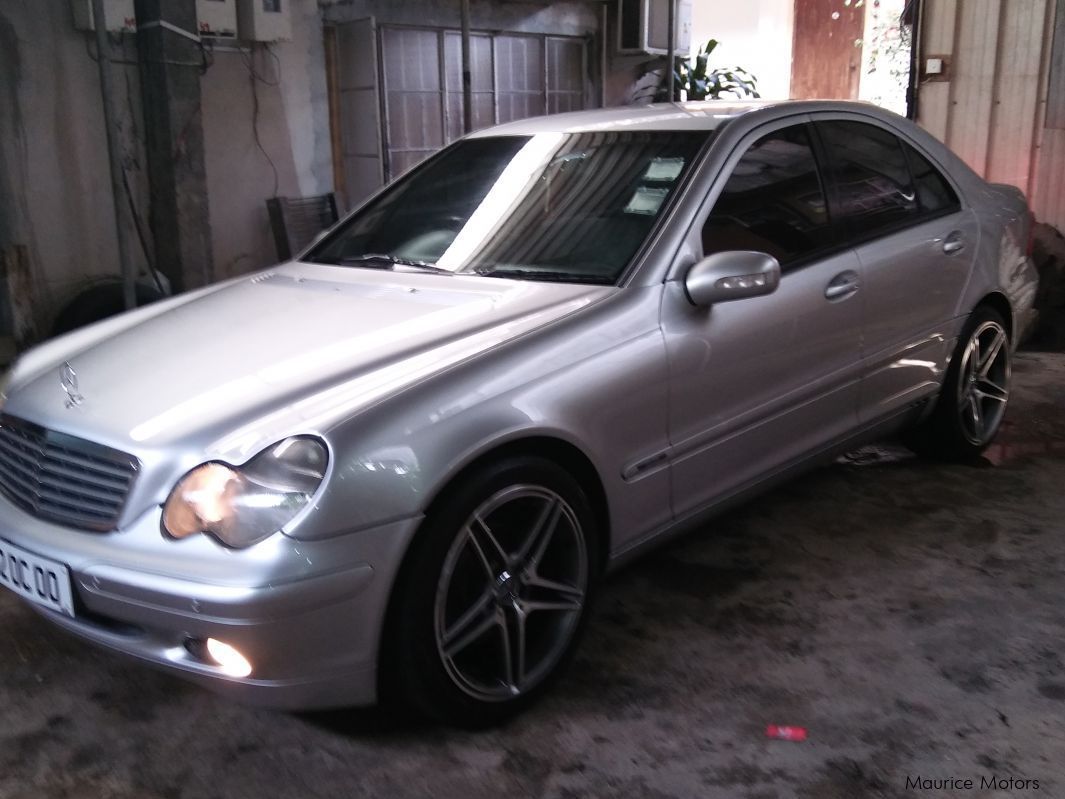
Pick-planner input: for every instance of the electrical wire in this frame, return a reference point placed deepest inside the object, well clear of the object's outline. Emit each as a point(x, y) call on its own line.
point(138, 225)
point(131, 160)
point(256, 79)
point(207, 56)
point(95, 57)
point(248, 57)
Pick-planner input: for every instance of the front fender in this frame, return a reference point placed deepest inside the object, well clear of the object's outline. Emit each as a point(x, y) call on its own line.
point(597, 383)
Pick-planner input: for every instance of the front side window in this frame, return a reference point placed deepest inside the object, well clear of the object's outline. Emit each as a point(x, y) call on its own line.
point(773, 202)
point(871, 176)
point(571, 207)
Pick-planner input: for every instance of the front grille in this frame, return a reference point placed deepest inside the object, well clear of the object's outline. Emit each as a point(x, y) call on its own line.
point(61, 478)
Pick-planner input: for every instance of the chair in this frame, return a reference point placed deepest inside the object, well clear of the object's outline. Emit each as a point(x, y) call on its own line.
point(297, 220)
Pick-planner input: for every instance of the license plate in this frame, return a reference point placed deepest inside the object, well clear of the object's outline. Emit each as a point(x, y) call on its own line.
point(42, 581)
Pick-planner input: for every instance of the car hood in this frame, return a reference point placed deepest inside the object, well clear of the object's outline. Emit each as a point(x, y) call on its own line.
point(327, 339)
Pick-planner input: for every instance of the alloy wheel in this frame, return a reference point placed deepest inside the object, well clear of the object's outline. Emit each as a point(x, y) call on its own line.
point(983, 382)
point(511, 593)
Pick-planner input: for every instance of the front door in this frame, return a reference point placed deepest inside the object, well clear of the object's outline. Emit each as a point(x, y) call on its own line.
point(758, 383)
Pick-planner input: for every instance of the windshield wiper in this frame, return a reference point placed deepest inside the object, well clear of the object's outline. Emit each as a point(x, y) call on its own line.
point(553, 276)
point(408, 263)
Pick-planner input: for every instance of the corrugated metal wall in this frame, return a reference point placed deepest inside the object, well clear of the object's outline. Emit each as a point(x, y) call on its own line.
point(992, 110)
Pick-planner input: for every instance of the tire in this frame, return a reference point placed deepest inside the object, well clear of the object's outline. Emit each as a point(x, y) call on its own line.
point(975, 392)
point(494, 594)
point(99, 302)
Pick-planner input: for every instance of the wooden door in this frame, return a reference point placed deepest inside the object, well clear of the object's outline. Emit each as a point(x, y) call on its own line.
point(827, 49)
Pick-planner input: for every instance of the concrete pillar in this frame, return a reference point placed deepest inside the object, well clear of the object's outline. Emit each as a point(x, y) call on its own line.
point(170, 69)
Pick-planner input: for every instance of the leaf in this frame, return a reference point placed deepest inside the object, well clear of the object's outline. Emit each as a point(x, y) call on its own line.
point(694, 77)
point(700, 66)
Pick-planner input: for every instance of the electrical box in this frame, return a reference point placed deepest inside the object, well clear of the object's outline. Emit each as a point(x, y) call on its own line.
point(118, 15)
point(643, 26)
point(217, 18)
point(264, 20)
point(936, 67)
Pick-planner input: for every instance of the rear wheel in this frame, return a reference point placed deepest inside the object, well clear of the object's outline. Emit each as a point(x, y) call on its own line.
point(495, 593)
point(975, 393)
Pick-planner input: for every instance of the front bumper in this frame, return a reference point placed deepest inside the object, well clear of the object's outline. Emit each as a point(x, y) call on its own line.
point(307, 615)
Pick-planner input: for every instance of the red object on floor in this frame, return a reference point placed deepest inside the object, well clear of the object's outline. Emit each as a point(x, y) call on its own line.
point(786, 733)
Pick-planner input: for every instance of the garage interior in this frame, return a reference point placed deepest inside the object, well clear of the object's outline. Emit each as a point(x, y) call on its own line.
point(906, 614)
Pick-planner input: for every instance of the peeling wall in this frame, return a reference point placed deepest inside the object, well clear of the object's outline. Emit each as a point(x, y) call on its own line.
point(55, 191)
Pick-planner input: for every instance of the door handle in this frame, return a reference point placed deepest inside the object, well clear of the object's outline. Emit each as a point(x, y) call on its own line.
point(842, 285)
point(953, 243)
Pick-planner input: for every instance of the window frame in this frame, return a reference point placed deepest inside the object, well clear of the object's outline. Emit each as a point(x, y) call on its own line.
point(853, 239)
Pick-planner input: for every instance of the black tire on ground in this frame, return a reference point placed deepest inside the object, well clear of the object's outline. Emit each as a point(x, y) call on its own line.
point(972, 401)
point(509, 551)
point(99, 302)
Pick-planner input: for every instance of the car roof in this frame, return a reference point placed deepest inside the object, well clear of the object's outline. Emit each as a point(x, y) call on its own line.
point(713, 114)
point(704, 115)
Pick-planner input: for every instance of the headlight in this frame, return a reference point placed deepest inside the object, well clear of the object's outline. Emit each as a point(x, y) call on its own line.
point(243, 505)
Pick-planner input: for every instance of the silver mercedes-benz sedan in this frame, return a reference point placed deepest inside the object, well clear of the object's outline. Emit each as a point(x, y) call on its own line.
point(399, 465)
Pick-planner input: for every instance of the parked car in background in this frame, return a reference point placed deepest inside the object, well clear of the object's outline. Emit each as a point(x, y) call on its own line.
point(399, 464)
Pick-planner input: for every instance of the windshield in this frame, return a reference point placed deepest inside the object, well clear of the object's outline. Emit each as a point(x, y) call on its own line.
point(570, 207)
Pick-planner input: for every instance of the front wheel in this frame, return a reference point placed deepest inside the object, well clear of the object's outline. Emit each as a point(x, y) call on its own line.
point(975, 392)
point(495, 593)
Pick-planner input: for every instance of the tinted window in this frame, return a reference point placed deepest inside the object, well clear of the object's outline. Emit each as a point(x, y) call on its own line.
point(553, 206)
point(933, 192)
point(871, 175)
point(773, 201)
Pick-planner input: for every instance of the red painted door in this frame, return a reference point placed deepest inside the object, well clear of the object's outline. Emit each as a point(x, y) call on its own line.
point(827, 49)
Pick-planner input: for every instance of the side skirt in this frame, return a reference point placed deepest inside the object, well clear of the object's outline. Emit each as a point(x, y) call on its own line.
point(894, 423)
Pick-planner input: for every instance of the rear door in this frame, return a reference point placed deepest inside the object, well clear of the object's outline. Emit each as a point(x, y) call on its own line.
point(915, 243)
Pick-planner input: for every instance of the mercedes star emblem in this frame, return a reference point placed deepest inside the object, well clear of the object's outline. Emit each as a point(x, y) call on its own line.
point(68, 379)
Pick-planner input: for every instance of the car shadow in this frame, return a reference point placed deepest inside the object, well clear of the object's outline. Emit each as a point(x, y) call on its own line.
point(368, 721)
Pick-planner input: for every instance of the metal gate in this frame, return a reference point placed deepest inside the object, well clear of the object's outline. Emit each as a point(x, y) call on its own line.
point(512, 76)
point(398, 91)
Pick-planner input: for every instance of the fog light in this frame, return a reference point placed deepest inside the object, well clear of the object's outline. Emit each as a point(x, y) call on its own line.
point(229, 659)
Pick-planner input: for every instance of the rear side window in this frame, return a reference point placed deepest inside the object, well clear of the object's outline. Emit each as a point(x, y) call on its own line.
point(871, 175)
point(933, 192)
point(773, 202)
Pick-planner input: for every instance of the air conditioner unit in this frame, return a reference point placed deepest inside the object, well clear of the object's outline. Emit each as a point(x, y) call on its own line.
point(118, 15)
point(217, 18)
point(643, 26)
point(264, 20)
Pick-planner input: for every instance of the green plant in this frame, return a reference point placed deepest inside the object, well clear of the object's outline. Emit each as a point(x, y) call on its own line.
point(692, 77)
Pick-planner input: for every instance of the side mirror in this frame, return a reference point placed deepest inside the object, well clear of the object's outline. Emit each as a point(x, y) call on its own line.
point(732, 275)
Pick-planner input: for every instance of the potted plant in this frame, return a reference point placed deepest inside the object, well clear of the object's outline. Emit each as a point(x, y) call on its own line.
point(692, 76)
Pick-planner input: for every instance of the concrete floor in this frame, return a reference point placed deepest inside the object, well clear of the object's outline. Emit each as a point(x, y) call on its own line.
point(909, 614)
